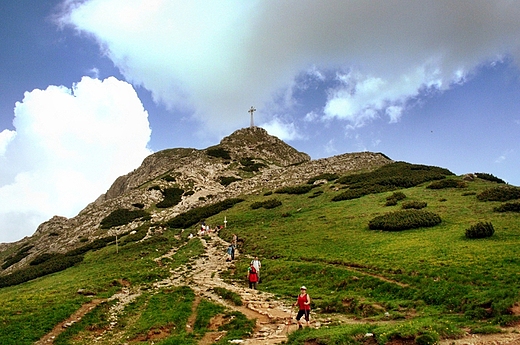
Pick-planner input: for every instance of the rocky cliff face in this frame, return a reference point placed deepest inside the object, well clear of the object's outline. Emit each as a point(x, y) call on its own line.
point(197, 171)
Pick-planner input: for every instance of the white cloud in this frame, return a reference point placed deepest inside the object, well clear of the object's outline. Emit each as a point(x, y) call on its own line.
point(6, 136)
point(218, 58)
point(281, 130)
point(70, 145)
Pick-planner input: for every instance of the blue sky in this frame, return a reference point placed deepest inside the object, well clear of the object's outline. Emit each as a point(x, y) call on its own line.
point(89, 88)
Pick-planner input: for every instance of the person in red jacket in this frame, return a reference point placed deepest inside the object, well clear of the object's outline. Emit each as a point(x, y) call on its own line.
point(304, 305)
point(252, 276)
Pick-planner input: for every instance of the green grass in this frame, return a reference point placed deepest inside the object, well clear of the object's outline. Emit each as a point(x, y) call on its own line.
point(421, 284)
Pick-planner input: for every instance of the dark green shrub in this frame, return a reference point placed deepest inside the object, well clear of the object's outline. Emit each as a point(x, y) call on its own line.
point(414, 204)
point(227, 180)
point(301, 189)
point(172, 196)
point(188, 193)
point(169, 178)
point(268, 193)
point(22, 253)
point(94, 245)
point(43, 257)
point(316, 194)
point(192, 217)
point(154, 188)
point(122, 216)
point(508, 207)
point(489, 177)
point(396, 175)
point(403, 220)
point(480, 230)
point(446, 183)
point(218, 152)
point(397, 196)
point(138, 205)
point(56, 264)
point(499, 193)
point(268, 204)
point(325, 176)
point(249, 165)
point(391, 202)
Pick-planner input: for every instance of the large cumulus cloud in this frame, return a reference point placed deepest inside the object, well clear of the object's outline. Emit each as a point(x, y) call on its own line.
point(218, 58)
point(67, 148)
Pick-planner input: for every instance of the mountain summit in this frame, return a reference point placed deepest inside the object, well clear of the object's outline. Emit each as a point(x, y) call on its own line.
point(247, 161)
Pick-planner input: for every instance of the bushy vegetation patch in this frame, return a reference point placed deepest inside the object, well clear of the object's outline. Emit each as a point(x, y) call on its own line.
point(325, 176)
point(403, 220)
point(508, 207)
point(300, 189)
point(268, 204)
point(393, 176)
point(192, 217)
point(480, 230)
point(56, 264)
point(22, 253)
point(392, 200)
point(316, 194)
point(446, 183)
point(414, 204)
point(249, 165)
point(396, 175)
point(169, 178)
point(139, 205)
point(500, 193)
point(490, 177)
point(122, 216)
point(206, 310)
point(189, 193)
point(172, 196)
point(227, 180)
point(228, 295)
point(218, 152)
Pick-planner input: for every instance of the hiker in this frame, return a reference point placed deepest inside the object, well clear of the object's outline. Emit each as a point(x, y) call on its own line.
point(230, 253)
point(304, 304)
point(252, 276)
point(235, 239)
point(257, 264)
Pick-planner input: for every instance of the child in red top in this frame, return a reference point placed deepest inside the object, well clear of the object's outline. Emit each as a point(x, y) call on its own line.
point(304, 304)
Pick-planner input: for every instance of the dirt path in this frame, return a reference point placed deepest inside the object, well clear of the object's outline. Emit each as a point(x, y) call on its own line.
point(203, 275)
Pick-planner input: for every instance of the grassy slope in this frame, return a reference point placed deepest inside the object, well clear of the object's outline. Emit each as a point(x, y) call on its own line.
point(328, 247)
point(429, 280)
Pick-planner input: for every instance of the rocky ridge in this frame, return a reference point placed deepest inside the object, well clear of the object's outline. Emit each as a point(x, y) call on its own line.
point(192, 170)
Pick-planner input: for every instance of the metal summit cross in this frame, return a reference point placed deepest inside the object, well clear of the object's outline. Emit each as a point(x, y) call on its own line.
point(251, 111)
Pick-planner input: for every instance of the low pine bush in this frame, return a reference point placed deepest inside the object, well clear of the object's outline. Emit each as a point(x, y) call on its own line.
point(446, 183)
point(172, 196)
point(122, 216)
point(480, 230)
point(218, 152)
point(249, 165)
point(192, 217)
point(325, 176)
point(500, 193)
point(227, 180)
point(508, 207)
point(414, 204)
point(22, 253)
point(403, 220)
point(268, 204)
point(489, 177)
point(301, 189)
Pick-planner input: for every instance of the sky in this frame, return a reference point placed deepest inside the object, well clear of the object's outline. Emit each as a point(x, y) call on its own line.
point(89, 88)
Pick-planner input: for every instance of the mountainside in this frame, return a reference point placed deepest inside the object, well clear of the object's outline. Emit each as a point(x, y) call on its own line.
point(248, 161)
